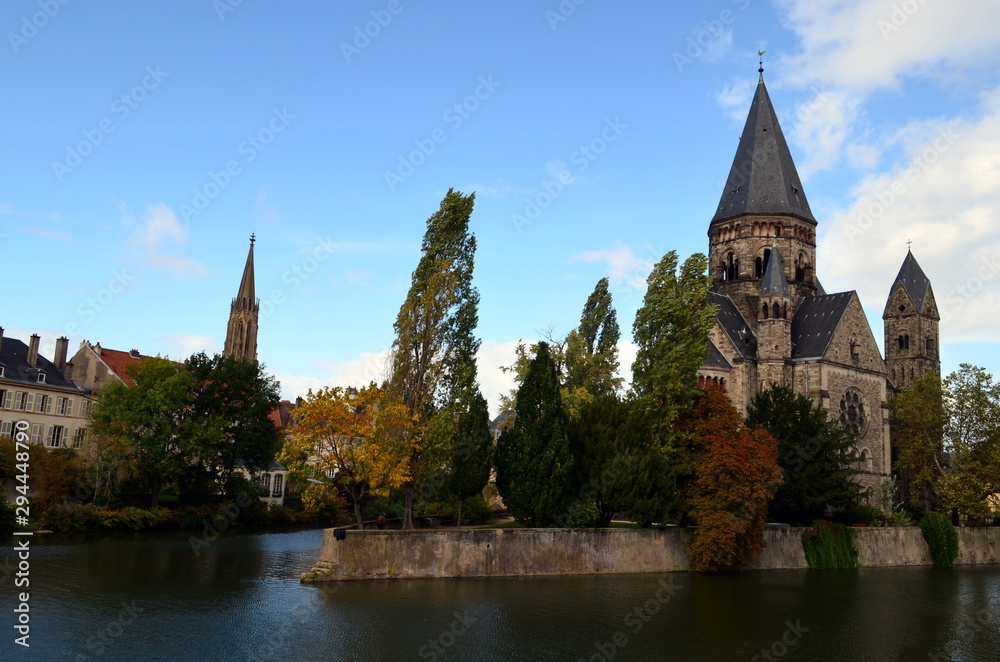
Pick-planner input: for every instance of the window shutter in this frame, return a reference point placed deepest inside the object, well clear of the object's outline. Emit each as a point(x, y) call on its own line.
point(48, 404)
point(30, 406)
point(36, 434)
point(7, 397)
point(5, 429)
point(69, 406)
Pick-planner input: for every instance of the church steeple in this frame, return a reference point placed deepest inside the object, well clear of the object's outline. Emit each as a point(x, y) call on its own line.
point(762, 212)
point(911, 323)
point(241, 335)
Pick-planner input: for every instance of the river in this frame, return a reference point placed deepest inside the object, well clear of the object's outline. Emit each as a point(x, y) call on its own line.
point(152, 598)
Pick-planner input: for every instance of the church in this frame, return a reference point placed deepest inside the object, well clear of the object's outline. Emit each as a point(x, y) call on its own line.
point(776, 324)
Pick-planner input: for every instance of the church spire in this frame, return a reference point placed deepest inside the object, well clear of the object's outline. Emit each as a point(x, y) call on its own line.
point(241, 335)
point(774, 281)
point(763, 179)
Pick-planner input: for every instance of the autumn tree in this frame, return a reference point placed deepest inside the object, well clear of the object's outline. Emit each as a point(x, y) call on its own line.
point(435, 347)
point(816, 455)
point(359, 440)
point(151, 419)
point(233, 399)
point(533, 460)
point(736, 472)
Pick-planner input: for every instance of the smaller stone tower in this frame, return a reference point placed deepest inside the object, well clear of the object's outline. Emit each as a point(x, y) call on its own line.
point(241, 336)
point(911, 321)
point(774, 324)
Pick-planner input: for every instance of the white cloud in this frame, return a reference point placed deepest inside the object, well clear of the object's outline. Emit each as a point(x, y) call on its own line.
point(496, 191)
point(944, 195)
point(625, 268)
point(735, 98)
point(152, 234)
point(185, 346)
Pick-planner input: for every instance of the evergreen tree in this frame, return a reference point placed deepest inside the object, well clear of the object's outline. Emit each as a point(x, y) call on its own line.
point(435, 347)
point(815, 453)
point(472, 452)
point(534, 464)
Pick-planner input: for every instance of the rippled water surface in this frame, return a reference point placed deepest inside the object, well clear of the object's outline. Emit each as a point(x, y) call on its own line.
point(152, 598)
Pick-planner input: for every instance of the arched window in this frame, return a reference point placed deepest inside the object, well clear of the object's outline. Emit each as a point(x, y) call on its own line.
point(801, 267)
point(265, 481)
point(758, 267)
point(853, 415)
point(775, 310)
point(277, 486)
point(764, 311)
point(731, 267)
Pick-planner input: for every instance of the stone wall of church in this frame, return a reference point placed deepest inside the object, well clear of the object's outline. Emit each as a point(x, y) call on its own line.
point(858, 400)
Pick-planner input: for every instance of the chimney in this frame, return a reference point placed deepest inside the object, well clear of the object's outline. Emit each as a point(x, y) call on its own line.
point(97, 348)
point(33, 349)
point(68, 371)
point(62, 348)
point(134, 353)
point(1, 337)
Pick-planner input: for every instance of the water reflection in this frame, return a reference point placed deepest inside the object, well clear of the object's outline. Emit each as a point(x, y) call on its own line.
point(240, 599)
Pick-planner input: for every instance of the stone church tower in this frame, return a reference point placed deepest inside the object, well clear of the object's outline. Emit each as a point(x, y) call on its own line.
point(911, 326)
point(776, 324)
point(241, 336)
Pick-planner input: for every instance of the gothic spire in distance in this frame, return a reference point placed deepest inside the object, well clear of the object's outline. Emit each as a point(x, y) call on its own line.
point(241, 335)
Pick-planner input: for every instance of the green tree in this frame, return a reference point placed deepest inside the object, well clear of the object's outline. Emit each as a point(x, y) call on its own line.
point(152, 418)
point(233, 401)
point(972, 436)
point(815, 453)
point(670, 330)
point(471, 451)
point(592, 348)
point(919, 416)
point(534, 463)
point(435, 346)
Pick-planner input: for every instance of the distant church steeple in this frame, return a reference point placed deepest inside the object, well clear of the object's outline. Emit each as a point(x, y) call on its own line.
point(911, 326)
point(241, 336)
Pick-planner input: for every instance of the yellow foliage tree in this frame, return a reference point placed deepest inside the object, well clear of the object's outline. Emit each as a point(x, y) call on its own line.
point(360, 440)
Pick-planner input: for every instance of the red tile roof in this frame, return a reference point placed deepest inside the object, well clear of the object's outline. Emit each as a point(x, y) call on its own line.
point(117, 362)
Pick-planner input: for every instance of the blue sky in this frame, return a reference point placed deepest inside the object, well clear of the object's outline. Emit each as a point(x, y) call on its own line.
point(145, 142)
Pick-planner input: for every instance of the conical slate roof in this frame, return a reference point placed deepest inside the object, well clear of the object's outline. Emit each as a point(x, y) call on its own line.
point(763, 179)
point(912, 277)
point(246, 285)
point(774, 281)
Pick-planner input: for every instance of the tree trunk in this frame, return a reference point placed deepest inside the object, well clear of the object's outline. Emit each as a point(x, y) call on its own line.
point(154, 501)
point(409, 493)
point(356, 496)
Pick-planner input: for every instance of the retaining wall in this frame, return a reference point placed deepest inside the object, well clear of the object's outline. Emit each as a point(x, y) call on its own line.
point(526, 552)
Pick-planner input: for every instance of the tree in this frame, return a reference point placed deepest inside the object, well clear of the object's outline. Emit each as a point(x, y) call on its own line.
point(670, 330)
point(534, 464)
point(592, 348)
point(233, 399)
point(471, 452)
point(972, 437)
point(736, 472)
point(919, 416)
point(435, 347)
point(361, 441)
point(815, 454)
point(152, 419)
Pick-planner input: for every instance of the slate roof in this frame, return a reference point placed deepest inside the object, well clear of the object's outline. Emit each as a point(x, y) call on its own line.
point(815, 322)
point(715, 359)
point(246, 284)
point(913, 279)
point(774, 281)
point(14, 359)
point(820, 291)
point(735, 325)
point(763, 179)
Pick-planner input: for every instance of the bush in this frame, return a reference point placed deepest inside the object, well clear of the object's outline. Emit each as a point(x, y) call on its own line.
point(6, 517)
point(476, 511)
point(581, 514)
point(829, 546)
point(863, 514)
point(941, 537)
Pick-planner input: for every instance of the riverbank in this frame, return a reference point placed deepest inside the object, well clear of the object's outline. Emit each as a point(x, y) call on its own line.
point(541, 552)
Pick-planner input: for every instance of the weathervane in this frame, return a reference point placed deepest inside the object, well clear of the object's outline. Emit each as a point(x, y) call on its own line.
point(760, 55)
point(909, 243)
point(253, 238)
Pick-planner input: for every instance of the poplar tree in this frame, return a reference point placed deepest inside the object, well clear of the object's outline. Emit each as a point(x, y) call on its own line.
point(534, 463)
point(591, 353)
point(471, 452)
point(433, 364)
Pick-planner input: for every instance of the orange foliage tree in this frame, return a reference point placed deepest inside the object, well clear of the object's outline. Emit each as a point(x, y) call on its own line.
point(736, 473)
point(359, 440)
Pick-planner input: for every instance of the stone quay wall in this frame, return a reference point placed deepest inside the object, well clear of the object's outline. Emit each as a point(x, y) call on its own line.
point(537, 552)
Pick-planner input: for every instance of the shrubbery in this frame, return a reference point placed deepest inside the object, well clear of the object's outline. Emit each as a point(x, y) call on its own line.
point(829, 546)
point(941, 537)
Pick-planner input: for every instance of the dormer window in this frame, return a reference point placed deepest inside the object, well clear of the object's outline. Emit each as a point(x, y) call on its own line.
point(2, 371)
point(41, 378)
